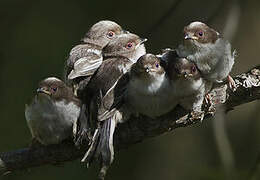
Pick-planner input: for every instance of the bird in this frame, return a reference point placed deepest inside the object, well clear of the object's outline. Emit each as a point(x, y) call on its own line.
point(102, 108)
point(84, 59)
point(126, 46)
point(53, 113)
point(148, 90)
point(210, 52)
point(186, 81)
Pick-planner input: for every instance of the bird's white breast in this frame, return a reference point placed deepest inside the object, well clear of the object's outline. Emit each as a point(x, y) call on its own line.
point(150, 98)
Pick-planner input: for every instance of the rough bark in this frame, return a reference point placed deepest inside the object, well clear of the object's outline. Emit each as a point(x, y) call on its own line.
point(138, 129)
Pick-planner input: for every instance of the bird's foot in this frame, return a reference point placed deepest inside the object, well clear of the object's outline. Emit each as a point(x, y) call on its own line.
point(210, 109)
point(231, 83)
point(197, 115)
point(208, 100)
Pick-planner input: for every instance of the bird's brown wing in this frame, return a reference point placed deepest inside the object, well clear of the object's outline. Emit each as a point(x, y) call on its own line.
point(84, 59)
point(114, 98)
point(86, 66)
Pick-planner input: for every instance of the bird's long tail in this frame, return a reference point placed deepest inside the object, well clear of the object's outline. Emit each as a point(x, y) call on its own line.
point(102, 146)
point(82, 128)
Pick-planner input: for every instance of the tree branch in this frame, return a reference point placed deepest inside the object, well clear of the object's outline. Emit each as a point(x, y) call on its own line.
point(139, 128)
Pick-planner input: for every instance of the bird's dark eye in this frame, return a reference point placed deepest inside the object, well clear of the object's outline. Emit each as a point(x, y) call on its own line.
point(129, 45)
point(110, 34)
point(54, 89)
point(193, 69)
point(157, 65)
point(200, 33)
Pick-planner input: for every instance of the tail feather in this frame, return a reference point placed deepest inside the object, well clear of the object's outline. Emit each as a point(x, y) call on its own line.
point(105, 148)
point(89, 156)
point(102, 146)
point(83, 129)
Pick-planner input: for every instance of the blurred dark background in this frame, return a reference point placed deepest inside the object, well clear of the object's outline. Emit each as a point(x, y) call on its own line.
point(36, 37)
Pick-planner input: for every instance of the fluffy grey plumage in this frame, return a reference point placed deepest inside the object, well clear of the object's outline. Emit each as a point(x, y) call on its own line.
point(188, 86)
point(103, 106)
point(211, 53)
point(148, 91)
point(53, 112)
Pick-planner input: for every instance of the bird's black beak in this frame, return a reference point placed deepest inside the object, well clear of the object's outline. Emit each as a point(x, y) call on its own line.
point(187, 37)
point(43, 90)
point(190, 37)
point(185, 74)
point(143, 40)
point(147, 70)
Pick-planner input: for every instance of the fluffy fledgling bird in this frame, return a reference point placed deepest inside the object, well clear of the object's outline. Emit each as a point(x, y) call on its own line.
point(85, 58)
point(187, 84)
point(148, 91)
point(209, 51)
point(103, 109)
point(52, 115)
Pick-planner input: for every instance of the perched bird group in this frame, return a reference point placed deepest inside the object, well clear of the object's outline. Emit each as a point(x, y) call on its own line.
point(109, 77)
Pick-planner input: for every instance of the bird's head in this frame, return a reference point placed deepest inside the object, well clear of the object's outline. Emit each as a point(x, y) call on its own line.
point(54, 89)
point(197, 33)
point(128, 45)
point(103, 32)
